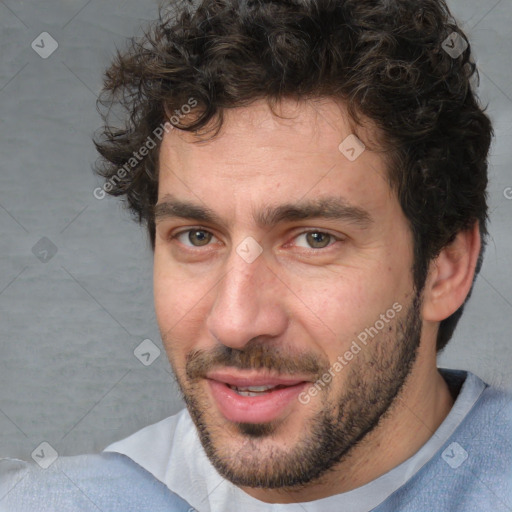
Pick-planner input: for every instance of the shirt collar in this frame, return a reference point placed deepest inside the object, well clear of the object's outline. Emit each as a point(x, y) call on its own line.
point(172, 452)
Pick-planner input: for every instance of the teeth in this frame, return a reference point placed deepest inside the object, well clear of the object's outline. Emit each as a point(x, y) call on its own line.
point(255, 389)
point(252, 390)
point(248, 393)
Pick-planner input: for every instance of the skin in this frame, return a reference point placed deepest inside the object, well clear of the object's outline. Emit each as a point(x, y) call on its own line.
point(296, 308)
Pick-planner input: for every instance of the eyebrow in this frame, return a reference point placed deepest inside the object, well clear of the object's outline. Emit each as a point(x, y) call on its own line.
point(336, 208)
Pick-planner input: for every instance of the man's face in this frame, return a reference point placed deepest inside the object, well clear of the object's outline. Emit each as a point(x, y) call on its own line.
point(279, 261)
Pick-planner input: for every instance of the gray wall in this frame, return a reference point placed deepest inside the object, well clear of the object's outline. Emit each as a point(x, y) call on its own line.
point(75, 279)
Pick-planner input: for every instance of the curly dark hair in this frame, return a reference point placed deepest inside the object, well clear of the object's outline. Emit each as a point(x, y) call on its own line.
point(384, 59)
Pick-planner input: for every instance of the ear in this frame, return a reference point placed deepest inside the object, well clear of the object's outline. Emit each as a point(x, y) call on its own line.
point(451, 275)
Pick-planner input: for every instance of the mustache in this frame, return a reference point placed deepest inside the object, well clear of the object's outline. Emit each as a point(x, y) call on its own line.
point(257, 356)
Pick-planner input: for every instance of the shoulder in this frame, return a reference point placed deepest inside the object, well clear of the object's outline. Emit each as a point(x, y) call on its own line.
point(107, 481)
point(491, 406)
point(472, 472)
point(490, 418)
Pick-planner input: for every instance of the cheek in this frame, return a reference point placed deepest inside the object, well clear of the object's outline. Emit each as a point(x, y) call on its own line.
point(175, 301)
point(345, 305)
point(181, 305)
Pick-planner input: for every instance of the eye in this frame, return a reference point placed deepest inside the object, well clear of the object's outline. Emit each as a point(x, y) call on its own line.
point(315, 239)
point(194, 237)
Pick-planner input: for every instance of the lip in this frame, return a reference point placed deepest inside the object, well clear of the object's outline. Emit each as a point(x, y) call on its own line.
point(256, 409)
point(247, 380)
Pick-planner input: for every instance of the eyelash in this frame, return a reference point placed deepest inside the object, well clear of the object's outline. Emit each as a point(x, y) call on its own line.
point(311, 249)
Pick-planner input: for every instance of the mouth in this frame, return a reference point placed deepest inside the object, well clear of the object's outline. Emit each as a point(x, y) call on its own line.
point(256, 398)
point(255, 390)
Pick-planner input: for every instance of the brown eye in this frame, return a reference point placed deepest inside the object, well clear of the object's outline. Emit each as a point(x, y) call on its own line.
point(199, 237)
point(317, 239)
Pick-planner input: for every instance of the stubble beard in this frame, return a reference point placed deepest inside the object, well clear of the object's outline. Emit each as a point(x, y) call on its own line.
point(373, 380)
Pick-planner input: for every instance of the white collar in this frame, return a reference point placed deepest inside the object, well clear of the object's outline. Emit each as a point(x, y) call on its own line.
point(172, 452)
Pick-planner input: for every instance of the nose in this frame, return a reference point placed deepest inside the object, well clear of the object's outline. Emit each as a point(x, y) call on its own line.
point(247, 303)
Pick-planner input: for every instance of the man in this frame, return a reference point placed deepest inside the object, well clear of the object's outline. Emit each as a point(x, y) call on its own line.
point(313, 178)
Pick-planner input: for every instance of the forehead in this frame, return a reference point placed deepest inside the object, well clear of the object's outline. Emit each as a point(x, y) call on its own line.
point(260, 158)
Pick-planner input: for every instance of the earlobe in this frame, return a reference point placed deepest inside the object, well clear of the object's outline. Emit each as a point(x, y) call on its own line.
point(451, 275)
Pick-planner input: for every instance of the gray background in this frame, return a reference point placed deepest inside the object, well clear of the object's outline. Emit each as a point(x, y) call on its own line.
point(70, 321)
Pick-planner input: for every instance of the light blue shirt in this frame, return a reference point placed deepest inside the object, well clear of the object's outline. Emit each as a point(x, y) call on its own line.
point(465, 466)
